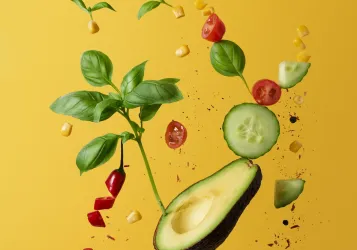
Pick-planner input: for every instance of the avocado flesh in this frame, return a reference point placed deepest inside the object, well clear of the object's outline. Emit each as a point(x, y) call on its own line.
point(287, 191)
point(203, 215)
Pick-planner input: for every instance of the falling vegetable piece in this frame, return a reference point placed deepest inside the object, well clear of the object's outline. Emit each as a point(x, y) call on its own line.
point(104, 203)
point(298, 99)
point(200, 4)
point(175, 135)
point(208, 11)
point(302, 31)
point(299, 43)
point(178, 11)
point(117, 177)
point(96, 219)
point(295, 146)
point(93, 27)
point(287, 191)
point(184, 50)
point(213, 29)
point(303, 56)
point(133, 217)
point(66, 129)
point(266, 92)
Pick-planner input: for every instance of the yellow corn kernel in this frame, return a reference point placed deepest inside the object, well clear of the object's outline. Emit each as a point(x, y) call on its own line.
point(303, 57)
point(200, 4)
point(66, 129)
point(298, 99)
point(302, 31)
point(93, 27)
point(133, 217)
point(295, 146)
point(184, 50)
point(208, 11)
point(299, 43)
point(178, 11)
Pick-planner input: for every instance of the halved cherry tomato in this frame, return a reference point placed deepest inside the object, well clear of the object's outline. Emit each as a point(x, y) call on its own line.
point(214, 29)
point(266, 92)
point(176, 135)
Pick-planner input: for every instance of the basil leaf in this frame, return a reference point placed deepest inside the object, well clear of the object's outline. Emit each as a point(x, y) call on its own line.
point(152, 92)
point(148, 112)
point(115, 96)
point(108, 106)
point(133, 78)
point(80, 105)
point(102, 5)
point(126, 136)
point(227, 58)
point(147, 7)
point(169, 80)
point(96, 68)
point(136, 127)
point(81, 5)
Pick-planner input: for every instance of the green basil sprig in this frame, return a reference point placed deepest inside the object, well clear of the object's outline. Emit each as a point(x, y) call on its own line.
point(95, 7)
point(228, 59)
point(149, 6)
point(135, 92)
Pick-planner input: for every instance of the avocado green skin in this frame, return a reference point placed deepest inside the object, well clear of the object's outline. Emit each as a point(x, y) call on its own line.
point(216, 238)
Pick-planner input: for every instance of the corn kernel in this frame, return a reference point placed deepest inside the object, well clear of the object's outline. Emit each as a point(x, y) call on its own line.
point(303, 57)
point(133, 217)
point(295, 146)
point(178, 11)
point(184, 50)
point(299, 43)
point(298, 99)
point(93, 27)
point(66, 129)
point(200, 4)
point(208, 11)
point(302, 31)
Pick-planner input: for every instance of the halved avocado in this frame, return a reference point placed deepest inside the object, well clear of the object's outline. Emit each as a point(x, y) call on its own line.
point(202, 216)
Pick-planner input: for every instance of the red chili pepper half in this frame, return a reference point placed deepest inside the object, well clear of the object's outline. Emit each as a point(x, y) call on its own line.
point(96, 219)
point(116, 178)
point(115, 181)
point(104, 203)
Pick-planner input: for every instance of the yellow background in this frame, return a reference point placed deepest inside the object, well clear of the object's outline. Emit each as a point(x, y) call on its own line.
point(44, 201)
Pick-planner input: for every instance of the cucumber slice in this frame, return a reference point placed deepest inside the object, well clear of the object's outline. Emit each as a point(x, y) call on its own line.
point(287, 191)
point(291, 73)
point(251, 130)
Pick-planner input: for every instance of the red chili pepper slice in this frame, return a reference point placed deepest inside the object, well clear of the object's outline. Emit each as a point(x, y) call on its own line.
point(115, 181)
point(104, 203)
point(96, 219)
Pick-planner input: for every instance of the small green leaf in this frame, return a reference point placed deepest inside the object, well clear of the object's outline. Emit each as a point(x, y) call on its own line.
point(136, 127)
point(97, 152)
point(115, 96)
point(152, 92)
point(126, 136)
point(81, 5)
point(148, 112)
point(81, 105)
point(102, 5)
point(147, 7)
point(133, 78)
point(169, 80)
point(96, 68)
point(108, 105)
point(227, 58)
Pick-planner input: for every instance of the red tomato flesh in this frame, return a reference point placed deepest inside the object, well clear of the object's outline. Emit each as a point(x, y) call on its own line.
point(266, 92)
point(176, 135)
point(104, 203)
point(214, 29)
